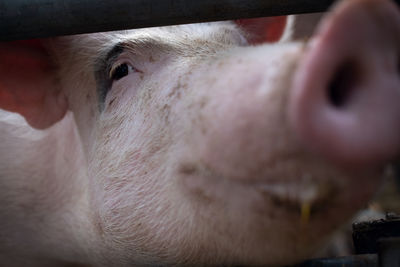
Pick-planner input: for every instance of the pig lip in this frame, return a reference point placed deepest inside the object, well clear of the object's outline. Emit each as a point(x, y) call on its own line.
point(295, 196)
point(291, 195)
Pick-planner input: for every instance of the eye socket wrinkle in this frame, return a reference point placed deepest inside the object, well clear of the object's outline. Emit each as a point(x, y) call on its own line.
point(103, 65)
point(105, 62)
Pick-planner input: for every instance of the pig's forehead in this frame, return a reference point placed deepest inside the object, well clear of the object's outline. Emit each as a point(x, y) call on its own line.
point(91, 45)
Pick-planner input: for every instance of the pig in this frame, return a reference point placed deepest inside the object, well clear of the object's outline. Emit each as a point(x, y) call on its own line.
point(190, 145)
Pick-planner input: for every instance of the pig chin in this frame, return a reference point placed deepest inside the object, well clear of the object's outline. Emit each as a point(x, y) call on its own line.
point(253, 176)
point(292, 204)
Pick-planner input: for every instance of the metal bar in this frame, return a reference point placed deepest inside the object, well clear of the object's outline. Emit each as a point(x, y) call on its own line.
point(26, 19)
point(367, 260)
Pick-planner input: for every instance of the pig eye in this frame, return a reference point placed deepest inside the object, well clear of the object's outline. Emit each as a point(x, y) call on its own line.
point(120, 71)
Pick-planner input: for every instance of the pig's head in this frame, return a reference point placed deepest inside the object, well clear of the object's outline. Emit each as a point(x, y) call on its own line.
point(203, 149)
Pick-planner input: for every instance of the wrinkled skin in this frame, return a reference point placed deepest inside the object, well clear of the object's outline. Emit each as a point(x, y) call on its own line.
point(206, 150)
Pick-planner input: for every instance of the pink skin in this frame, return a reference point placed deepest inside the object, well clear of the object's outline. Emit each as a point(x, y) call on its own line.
point(208, 152)
point(362, 38)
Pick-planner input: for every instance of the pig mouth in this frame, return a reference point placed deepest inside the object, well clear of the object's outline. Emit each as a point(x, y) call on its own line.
point(306, 196)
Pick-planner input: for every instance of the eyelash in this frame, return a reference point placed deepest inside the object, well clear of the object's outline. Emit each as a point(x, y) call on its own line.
point(120, 71)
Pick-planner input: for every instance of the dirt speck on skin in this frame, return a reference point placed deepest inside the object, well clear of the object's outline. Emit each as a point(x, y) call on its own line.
point(111, 102)
point(147, 95)
point(176, 91)
point(155, 149)
point(98, 225)
point(194, 183)
point(200, 122)
point(198, 118)
point(204, 129)
point(166, 107)
point(203, 102)
point(187, 168)
point(166, 110)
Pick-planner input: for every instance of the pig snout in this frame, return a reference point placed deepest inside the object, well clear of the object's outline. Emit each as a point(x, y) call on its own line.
point(346, 93)
point(267, 107)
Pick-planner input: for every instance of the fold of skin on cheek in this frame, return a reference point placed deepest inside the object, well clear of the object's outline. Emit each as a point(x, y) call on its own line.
point(139, 211)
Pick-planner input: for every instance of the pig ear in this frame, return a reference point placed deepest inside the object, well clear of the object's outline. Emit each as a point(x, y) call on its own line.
point(263, 30)
point(28, 83)
point(301, 27)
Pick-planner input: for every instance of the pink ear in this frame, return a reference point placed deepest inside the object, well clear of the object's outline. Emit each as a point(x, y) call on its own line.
point(263, 30)
point(28, 83)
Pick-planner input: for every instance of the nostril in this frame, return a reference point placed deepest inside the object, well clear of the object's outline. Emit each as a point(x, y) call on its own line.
point(342, 85)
